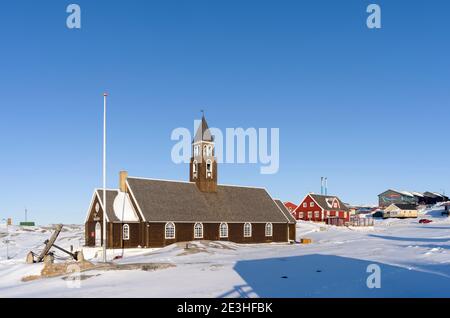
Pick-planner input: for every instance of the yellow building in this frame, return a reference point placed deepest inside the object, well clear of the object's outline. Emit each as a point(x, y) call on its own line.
point(400, 211)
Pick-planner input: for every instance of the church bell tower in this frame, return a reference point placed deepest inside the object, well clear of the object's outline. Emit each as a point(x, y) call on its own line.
point(203, 168)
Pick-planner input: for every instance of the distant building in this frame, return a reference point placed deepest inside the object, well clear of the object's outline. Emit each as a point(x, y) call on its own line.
point(290, 206)
point(390, 196)
point(431, 198)
point(401, 211)
point(319, 208)
point(410, 197)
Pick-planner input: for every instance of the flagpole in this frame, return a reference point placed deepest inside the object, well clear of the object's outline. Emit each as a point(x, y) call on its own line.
point(104, 176)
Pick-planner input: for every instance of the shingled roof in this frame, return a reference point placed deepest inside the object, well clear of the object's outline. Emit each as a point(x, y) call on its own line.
point(324, 200)
point(162, 201)
point(285, 211)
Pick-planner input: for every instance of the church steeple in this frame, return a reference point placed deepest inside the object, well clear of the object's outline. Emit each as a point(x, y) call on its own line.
point(203, 167)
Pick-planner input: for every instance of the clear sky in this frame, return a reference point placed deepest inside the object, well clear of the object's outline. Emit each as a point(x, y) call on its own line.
point(367, 108)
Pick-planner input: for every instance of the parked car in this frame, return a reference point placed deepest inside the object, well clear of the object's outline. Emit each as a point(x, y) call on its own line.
point(425, 221)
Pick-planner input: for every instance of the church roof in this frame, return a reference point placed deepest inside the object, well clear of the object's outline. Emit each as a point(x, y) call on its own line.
point(325, 201)
point(203, 133)
point(285, 211)
point(164, 201)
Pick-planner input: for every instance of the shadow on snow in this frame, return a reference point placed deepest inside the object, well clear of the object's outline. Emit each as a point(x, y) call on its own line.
point(331, 276)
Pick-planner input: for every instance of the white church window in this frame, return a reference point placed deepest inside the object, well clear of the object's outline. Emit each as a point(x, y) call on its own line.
point(209, 169)
point(126, 232)
point(196, 151)
point(223, 230)
point(209, 151)
point(269, 229)
point(194, 168)
point(170, 231)
point(198, 231)
point(247, 230)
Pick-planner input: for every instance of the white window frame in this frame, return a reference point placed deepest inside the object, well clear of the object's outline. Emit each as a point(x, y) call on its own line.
point(311, 204)
point(209, 164)
point(195, 169)
point(310, 215)
point(200, 236)
point(305, 205)
point(247, 229)
point(166, 227)
point(196, 152)
point(301, 215)
point(126, 232)
point(269, 230)
point(225, 227)
point(316, 214)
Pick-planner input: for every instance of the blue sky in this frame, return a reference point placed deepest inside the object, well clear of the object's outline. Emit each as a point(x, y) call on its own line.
point(367, 108)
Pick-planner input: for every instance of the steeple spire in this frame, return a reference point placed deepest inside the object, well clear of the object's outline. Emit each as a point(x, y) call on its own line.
point(203, 133)
point(203, 169)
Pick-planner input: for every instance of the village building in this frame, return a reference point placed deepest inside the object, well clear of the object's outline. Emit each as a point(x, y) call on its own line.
point(390, 196)
point(155, 213)
point(322, 208)
point(401, 211)
point(290, 207)
point(431, 198)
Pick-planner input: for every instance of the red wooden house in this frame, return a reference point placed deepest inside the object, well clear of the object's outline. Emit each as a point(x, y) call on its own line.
point(290, 206)
point(319, 208)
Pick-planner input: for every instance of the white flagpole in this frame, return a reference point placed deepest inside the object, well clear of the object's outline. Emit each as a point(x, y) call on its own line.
point(104, 176)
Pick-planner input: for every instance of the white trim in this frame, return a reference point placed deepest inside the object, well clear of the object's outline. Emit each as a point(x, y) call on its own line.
point(251, 229)
point(125, 226)
point(96, 194)
point(203, 141)
point(88, 214)
point(135, 201)
point(198, 237)
point(309, 195)
point(174, 231)
point(271, 229)
point(220, 230)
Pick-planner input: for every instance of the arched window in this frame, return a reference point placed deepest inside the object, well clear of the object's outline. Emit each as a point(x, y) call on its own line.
point(194, 168)
point(269, 229)
point(247, 230)
point(126, 232)
point(198, 231)
point(170, 231)
point(209, 151)
point(223, 230)
point(98, 234)
point(209, 169)
point(196, 151)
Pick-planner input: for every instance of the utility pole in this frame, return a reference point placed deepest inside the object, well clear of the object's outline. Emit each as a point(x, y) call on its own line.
point(104, 176)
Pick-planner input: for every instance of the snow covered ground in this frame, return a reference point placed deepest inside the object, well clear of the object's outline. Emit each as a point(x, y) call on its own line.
point(414, 260)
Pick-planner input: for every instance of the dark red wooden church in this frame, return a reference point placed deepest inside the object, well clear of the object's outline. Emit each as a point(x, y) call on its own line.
point(153, 213)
